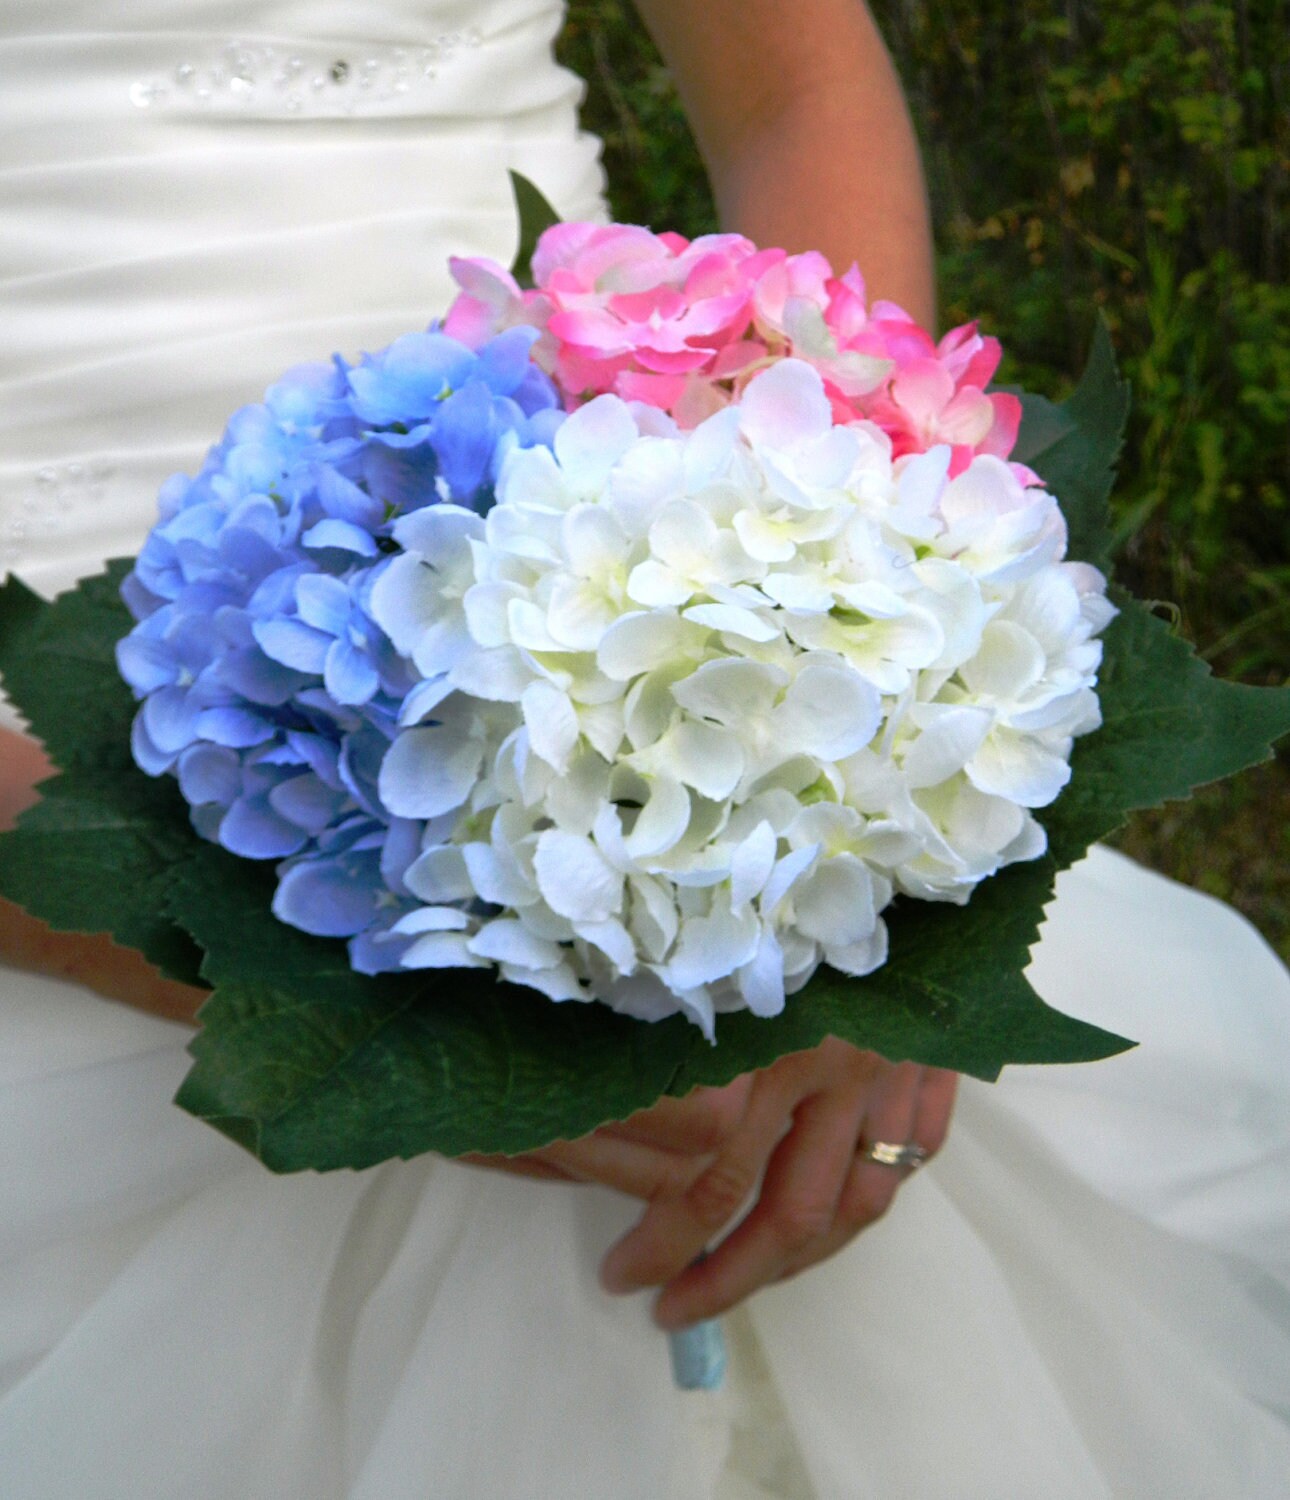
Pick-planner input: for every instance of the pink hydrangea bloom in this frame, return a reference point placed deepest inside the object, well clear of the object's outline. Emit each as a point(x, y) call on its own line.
point(683, 326)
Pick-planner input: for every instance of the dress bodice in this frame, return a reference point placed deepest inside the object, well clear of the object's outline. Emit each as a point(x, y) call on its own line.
point(205, 192)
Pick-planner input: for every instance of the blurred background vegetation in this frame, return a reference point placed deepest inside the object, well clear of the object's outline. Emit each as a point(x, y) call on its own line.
point(1127, 156)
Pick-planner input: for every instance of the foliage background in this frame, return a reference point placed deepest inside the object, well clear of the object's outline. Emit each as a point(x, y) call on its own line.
point(1127, 156)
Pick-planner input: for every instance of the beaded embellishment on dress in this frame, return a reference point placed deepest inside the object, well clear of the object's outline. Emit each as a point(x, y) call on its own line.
point(55, 502)
point(253, 75)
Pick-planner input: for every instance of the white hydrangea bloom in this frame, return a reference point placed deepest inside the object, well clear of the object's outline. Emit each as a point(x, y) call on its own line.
point(697, 705)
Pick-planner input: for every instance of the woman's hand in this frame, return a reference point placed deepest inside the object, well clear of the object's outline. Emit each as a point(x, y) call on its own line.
point(797, 1128)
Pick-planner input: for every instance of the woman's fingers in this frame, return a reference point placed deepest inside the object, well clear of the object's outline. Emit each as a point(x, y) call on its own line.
point(868, 1187)
point(698, 1124)
point(936, 1098)
point(796, 1209)
point(675, 1229)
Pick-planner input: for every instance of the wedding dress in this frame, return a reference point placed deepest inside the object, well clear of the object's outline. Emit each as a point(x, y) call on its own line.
point(1088, 1293)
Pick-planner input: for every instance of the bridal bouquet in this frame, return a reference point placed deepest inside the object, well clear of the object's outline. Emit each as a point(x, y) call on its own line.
point(681, 639)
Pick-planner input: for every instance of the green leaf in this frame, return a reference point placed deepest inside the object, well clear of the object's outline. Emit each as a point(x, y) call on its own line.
point(1169, 726)
point(1078, 464)
point(1042, 425)
point(536, 216)
point(97, 852)
point(314, 1066)
point(59, 666)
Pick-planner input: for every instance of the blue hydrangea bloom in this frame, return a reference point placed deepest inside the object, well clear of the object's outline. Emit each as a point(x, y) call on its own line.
point(266, 688)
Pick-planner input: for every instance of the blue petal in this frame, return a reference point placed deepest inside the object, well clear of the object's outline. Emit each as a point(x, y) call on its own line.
point(251, 675)
point(372, 952)
point(306, 802)
point(319, 754)
point(210, 773)
point(345, 501)
point(342, 534)
point(504, 361)
point(324, 602)
point(293, 644)
point(252, 829)
point(536, 392)
point(330, 898)
point(147, 756)
point(145, 664)
point(170, 715)
point(350, 675)
point(464, 438)
point(237, 728)
point(406, 381)
point(403, 481)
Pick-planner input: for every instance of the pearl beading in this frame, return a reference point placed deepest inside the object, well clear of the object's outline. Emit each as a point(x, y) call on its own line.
point(256, 75)
point(57, 499)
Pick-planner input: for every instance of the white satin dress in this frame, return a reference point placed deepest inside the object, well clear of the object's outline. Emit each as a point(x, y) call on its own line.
point(1086, 1296)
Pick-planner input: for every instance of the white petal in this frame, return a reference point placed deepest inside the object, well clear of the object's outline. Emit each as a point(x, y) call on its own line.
point(785, 405)
point(613, 940)
point(428, 771)
point(704, 756)
point(860, 958)
point(785, 875)
point(497, 676)
point(593, 541)
point(557, 984)
point(834, 903)
point(752, 864)
point(509, 941)
point(405, 600)
point(431, 919)
point(731, 690)
point(656, 586)
point(639, 643)
point(437, 531)
point(1008, 662)
point(761, 982)
point(764, 539)
point(496, 878)
point(732, 619)
point(575, 878)
point(654, 917)
point(526, 623)
point(828, 712)
point(1017, 767)
point(662, 822)
point(574, 799)
point(579, 612)
point(439, 874)
point(713, 947)
point(552, 724)
point(799, 591)
point(485, 605)
point(590, 442)
point(441, 950)
point(949, 738)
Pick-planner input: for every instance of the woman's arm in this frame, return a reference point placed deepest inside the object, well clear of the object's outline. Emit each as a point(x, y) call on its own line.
point(802, 123)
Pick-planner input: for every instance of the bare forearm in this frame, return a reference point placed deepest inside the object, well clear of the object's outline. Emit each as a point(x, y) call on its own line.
point(803, 125)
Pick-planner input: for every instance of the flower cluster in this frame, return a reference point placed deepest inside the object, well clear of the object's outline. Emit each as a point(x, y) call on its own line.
point(268, 689)
point(695, 705)
point(640, 637)
point(684, 325)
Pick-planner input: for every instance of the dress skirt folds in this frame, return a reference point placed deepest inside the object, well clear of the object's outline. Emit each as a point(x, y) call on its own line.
point(1087, 1295)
